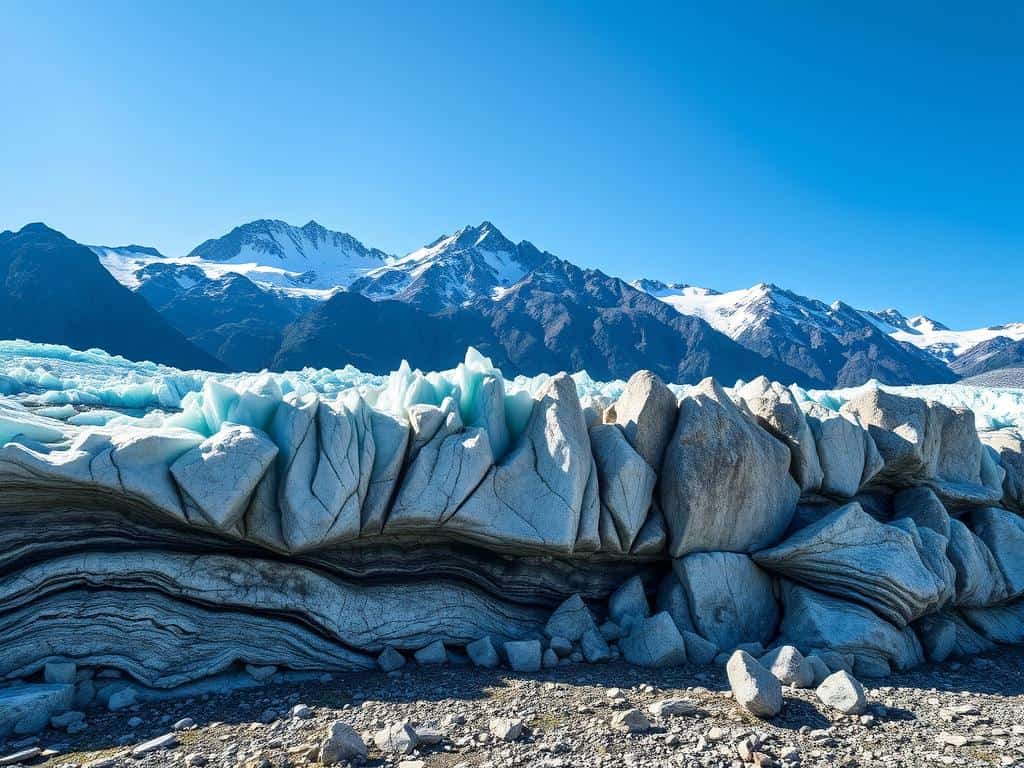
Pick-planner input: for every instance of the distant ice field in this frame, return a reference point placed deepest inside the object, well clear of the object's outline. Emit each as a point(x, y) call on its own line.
point(92, 387)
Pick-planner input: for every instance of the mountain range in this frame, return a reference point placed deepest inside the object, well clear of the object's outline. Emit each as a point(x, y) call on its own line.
point(269, 294)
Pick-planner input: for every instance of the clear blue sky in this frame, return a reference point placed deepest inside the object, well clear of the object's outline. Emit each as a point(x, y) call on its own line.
point(873, 152)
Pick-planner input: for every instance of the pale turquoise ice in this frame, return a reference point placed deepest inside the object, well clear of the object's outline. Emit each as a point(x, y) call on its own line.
point(93, 388)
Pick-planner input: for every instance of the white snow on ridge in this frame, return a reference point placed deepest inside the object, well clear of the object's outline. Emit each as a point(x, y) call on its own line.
point(125, 267)
point(947, 344)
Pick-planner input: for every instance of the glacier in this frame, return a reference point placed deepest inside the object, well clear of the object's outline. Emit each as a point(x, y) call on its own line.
point(104, 389)
point(312, 519)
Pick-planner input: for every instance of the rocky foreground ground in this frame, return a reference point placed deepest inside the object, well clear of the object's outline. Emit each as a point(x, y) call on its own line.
point(969, 713)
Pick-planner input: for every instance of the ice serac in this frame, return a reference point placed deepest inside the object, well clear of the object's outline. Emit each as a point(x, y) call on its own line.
point(1008, 445)
point(1003, 533)
point(535, 497)
point(851, 555)
point(218, 477)
point(626, 484)
point(930, 442)
point(846, 452)
point(725, 482)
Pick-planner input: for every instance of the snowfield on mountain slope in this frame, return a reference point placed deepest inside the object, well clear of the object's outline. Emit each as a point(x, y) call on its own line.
point(94, 388)
point(734, 312)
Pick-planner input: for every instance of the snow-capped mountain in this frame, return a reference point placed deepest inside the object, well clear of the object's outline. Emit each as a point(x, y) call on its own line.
point(945, 343)
point(309, 256)
point(309, 261)
point(453, 270)
point(534, 304)
point(833, 344)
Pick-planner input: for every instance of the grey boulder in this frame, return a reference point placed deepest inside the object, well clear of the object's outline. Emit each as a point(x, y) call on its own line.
point(844, 693)
point(753, 687)
point(724, 482)
point(654, 642)
point(851, 555)
point(731, 599)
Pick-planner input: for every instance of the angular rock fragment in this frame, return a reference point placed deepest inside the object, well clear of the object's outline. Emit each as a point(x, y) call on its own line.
point(753, 687)
point(570, 620)
point(626, 484)
point(1003, 534)
point(483, 653)
point(746, 501)
point(846, 452)
point(999, 624)
point(524, 655)
point(979, 581)
point(628, 604)
point(815, 620)
point(646, 411)
point(654, 642)
point(777, 411)
point(844, 693)
point(789, 666)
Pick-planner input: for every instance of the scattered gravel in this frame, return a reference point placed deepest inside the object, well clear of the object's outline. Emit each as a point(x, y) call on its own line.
point(967, 713)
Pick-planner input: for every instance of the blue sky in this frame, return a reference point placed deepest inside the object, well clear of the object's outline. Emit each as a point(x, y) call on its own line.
point(871, 151)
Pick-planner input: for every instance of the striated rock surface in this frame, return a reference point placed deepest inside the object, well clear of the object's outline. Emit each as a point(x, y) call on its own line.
point(725, 482)
point(851, 555)
point(267, 524)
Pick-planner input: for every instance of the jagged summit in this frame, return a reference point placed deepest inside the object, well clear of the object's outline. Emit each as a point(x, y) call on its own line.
point(471, 263)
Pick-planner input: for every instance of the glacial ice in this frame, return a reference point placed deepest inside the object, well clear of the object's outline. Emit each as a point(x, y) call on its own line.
point(94, 388)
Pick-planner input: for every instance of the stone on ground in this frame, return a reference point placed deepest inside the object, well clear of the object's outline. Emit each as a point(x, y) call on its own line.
point(435, 653)
point(342, 743)
point(399, 738)
point(844, 693)
point(628, 604)
point(570, 620)
point(506, 728)
point(482, 653)
point(755, 688)
point(631, 721)
point(390, 660)
point(789, 666)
